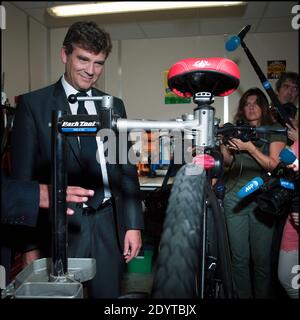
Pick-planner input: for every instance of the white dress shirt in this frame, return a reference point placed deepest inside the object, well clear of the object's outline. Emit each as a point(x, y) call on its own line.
point(91, 109)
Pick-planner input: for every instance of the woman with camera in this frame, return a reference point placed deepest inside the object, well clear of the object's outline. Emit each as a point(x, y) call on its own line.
point(250, 231)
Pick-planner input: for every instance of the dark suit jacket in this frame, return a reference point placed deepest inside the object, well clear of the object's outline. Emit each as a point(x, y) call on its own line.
point(19, 210)
point(19, 202)
point(31, 154)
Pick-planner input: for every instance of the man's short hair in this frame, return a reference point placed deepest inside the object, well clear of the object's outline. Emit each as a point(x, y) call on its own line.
point(87, 35)
point(292, 76)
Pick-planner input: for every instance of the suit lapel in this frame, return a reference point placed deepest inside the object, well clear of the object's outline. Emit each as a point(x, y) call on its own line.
point(61, 101)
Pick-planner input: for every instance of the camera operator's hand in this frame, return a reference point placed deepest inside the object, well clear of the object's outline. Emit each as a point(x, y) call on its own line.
point(295, 218)
point(293, 166)
point(238, 144)
point(227, 154)
point(268, 162)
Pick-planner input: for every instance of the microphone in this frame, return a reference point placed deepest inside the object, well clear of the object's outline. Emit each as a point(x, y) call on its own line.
point(287, 157)
point(265, 185)
point(232, 43)
point(250, 187)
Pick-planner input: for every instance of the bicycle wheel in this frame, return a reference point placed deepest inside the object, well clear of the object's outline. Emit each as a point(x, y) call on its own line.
point(218, 238)
point(177, 264)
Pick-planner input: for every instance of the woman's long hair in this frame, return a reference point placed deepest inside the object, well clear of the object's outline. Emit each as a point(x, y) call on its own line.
point(262, 102)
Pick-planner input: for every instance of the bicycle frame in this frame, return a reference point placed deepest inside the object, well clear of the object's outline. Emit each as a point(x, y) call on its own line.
point(201, 127)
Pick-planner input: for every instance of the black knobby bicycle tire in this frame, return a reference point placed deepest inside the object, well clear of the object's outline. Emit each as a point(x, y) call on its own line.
point(180, 247)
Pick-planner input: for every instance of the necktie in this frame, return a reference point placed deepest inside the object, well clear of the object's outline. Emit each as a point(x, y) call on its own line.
point(92, 169)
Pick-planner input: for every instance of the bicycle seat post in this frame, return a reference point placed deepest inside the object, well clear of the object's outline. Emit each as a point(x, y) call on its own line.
point(206, 114)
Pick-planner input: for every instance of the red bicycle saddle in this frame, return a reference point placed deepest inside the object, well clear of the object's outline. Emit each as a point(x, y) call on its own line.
point(219, 76)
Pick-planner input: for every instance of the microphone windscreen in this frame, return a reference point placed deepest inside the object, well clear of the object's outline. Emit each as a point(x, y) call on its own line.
point(233, 43)
point(287, 157)
point(250, 187)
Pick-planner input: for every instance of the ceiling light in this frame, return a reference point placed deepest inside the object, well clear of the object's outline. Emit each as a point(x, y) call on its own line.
point(132, 6)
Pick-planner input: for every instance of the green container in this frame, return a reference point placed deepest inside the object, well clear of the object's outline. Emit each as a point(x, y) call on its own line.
point(141, 263)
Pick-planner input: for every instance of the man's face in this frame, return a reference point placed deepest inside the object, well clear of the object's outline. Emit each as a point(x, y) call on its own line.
point(288, 92)
point(82, 68)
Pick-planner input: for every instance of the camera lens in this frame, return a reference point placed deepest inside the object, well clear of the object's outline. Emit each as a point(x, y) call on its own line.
point(273, 200)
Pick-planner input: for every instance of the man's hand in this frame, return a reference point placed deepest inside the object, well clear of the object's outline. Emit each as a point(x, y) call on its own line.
point(74, 194)
point(132, 244)
point(30, 256)
point(78, 194)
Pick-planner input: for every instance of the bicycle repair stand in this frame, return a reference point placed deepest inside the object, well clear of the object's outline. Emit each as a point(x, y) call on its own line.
point(59, 276)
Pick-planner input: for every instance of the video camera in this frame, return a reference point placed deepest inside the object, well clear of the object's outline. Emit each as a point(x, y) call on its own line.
point(290, 110)
point(276, 188)
point(278, 191)
point(245, 133)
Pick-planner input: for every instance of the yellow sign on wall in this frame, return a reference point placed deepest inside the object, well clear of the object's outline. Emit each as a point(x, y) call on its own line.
point(276, 68)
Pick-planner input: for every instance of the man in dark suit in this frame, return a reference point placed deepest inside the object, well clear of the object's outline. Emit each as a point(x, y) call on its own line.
point(30, 196)
point(110, 230)
point(20, 203)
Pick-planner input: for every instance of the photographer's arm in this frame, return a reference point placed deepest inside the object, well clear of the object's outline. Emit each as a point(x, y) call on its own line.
point(227, 155)
point(268, 162)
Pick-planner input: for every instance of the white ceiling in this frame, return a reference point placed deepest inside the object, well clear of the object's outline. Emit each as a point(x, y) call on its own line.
point(266, 16)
